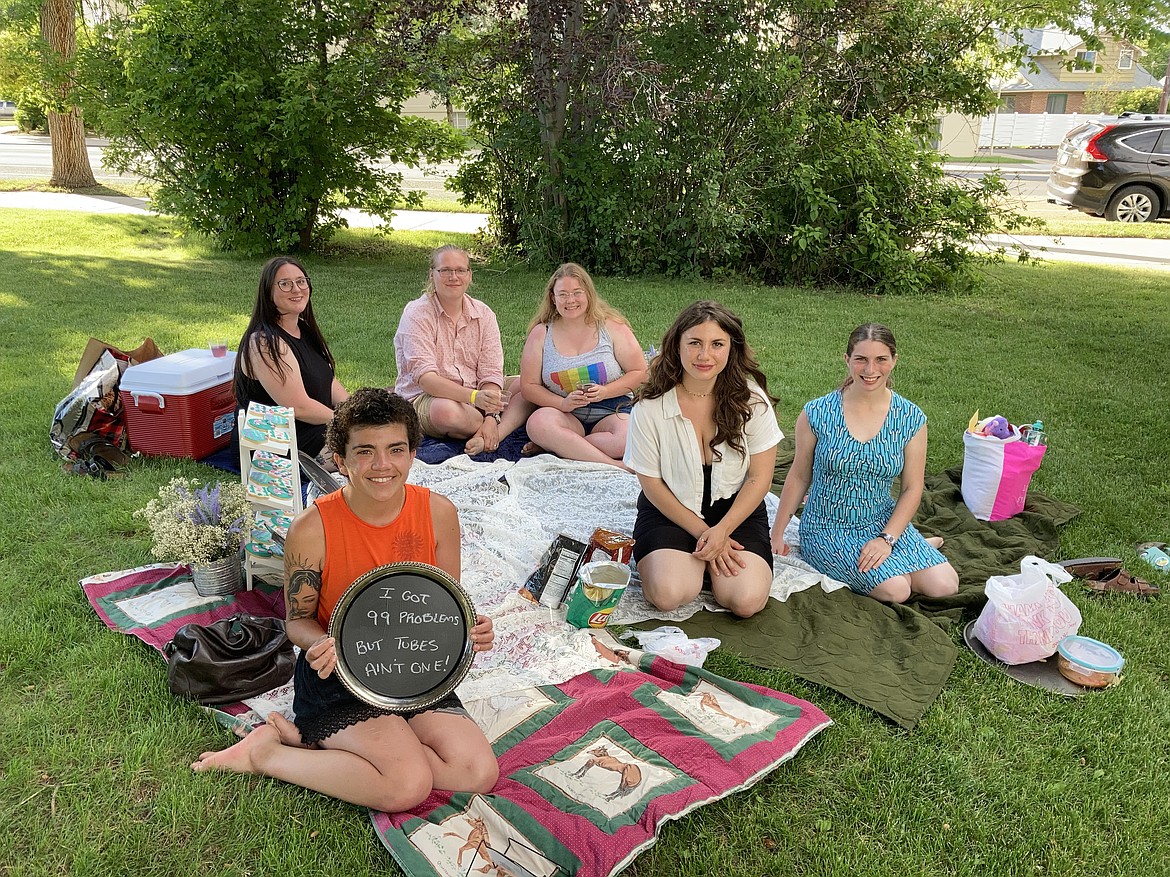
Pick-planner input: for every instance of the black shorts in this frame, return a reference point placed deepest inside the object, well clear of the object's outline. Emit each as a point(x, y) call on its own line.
point(325, 706)
point(654, 530)
point(591, 415)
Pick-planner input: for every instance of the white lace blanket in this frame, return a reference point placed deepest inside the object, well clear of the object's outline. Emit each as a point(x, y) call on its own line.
point(510, 513)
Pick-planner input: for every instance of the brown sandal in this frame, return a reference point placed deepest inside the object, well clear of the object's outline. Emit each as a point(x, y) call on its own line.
point(1106, 575)
point(1122, 582)
point(1092, 567)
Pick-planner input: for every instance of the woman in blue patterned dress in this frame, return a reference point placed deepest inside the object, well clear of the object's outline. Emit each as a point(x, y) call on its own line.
point(850, 446)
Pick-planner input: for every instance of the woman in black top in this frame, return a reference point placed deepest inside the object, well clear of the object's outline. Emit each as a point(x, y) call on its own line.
point(283, 358)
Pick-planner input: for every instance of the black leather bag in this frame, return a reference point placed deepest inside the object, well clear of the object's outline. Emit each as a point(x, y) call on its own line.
point(230, 659)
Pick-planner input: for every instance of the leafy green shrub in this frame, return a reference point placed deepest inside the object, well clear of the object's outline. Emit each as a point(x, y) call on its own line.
point(1138, 100)
point(721, 135)
point(30, 117)
point(261, 125)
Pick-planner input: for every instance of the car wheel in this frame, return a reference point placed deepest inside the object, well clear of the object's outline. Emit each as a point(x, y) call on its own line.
point(1137, 204)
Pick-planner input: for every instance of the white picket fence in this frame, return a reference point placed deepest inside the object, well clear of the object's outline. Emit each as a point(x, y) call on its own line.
point(1028, 129)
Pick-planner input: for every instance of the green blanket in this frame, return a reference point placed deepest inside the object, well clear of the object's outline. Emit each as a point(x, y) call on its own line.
point(894, 660)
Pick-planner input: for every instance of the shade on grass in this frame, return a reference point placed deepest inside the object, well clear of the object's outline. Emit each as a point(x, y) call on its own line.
point(997, 779)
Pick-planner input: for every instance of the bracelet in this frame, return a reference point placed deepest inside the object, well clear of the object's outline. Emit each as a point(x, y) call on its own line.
point(474, 393)
point(888, 539)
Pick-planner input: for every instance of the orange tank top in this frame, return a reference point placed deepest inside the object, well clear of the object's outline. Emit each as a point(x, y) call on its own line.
point(353, 547)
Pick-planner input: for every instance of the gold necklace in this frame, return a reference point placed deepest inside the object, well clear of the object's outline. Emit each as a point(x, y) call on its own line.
point(692, 393)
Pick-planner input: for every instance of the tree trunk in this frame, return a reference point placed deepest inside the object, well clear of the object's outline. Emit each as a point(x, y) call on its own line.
point(550, 31)
point(1165, 98)
point(71, 168)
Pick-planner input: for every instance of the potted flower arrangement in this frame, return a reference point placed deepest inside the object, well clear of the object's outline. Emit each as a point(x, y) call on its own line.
point(203, 527)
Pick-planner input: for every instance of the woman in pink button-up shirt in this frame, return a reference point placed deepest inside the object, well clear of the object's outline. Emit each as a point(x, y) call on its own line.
point(451, 360)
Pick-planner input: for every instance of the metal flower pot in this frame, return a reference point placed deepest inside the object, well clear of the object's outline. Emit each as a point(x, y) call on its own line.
point(219, 577)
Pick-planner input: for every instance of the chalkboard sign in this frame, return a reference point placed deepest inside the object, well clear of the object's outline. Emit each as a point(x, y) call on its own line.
point(403, 635)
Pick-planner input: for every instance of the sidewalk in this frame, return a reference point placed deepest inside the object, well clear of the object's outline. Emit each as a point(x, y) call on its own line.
point(1129, 252)
point(404, 220)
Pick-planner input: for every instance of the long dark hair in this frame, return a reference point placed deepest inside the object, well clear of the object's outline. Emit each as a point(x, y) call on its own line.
point(733, 398)
point(871, 332)
point(265, 324)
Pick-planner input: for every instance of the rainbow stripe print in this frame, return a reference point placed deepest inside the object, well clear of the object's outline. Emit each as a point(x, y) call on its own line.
point(570, 379)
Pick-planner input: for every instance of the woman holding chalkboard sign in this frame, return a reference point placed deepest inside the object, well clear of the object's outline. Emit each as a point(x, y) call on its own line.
point(342, 746)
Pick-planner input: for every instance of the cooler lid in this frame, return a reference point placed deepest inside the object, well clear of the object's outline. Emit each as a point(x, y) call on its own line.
point(181, 374)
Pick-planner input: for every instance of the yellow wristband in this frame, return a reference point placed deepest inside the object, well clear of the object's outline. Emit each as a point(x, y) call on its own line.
point(474, 393)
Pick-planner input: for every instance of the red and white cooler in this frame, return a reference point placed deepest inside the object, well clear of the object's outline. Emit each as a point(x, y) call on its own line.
point(180, 405)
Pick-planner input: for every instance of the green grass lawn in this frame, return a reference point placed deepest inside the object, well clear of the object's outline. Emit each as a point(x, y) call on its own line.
point(1059, 221)
point(998, 779)
point(128, 188)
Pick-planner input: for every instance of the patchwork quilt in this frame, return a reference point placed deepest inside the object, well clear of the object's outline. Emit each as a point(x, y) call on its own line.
point(590, 766)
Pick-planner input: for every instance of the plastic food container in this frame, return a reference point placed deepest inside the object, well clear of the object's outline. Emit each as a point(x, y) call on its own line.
point(1088, 662)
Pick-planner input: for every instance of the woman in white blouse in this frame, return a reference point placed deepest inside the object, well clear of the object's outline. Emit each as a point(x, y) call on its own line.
point(702, 441)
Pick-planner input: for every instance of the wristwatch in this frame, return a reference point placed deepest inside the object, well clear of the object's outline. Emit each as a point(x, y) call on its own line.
point(497, 417)
point(888, 539)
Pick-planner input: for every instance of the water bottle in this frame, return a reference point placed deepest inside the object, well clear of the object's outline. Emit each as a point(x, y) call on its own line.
point(1034, 434)
point(1157, 558)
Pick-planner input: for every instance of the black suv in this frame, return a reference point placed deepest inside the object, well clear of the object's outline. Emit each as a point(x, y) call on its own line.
point(1118, 169)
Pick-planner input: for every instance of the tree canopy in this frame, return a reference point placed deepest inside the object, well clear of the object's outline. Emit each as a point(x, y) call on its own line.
point(262, 124)
point(786, 139)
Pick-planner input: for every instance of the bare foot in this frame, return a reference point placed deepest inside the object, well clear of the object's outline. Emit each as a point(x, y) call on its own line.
point(935, 541)
point(531, 449)
point(474, 445)
point(243, 757)
point(290, 734)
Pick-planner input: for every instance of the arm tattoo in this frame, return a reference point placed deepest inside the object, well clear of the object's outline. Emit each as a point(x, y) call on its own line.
point(302, 588)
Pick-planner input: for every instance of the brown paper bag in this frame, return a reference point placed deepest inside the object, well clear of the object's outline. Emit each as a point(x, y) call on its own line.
point(94, 349)
point(93, 409)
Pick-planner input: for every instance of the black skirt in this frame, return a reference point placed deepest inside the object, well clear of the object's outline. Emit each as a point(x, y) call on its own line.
point(654, 530)
point(325, 706)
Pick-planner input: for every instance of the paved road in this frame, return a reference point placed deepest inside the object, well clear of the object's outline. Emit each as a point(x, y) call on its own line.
point(27, 155)
point(1024, 181)
point(30, 155)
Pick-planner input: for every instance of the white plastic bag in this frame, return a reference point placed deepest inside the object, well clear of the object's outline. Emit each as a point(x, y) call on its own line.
point(1027, 615)
point(673, 644)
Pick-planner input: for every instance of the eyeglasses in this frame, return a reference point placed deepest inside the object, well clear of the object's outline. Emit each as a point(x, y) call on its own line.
point(287, 285)
point(565, 296)
point(448, 273)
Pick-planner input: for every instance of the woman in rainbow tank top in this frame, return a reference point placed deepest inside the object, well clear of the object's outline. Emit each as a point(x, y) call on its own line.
point(580, 365)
